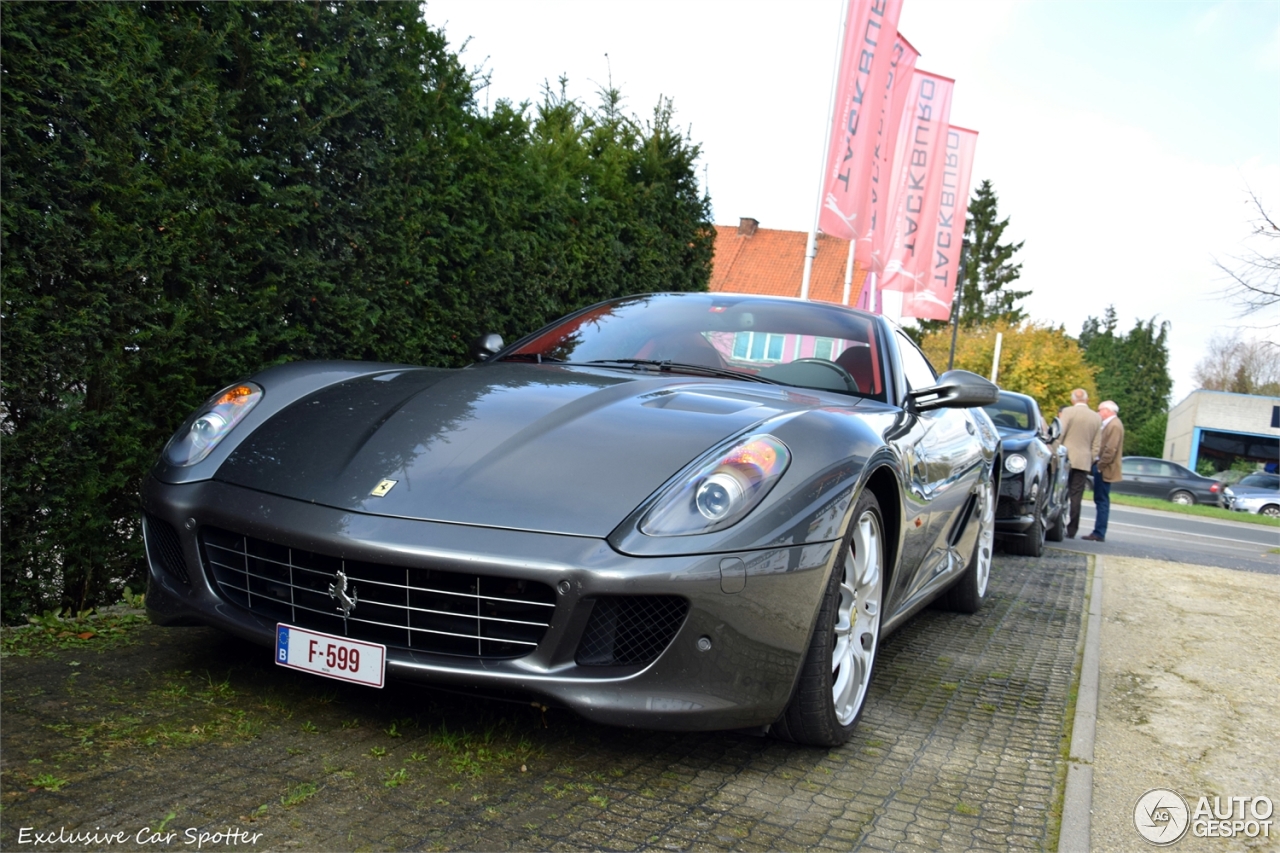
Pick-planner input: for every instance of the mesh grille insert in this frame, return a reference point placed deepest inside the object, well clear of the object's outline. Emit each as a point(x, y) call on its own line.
point(164, 549)
point(418, 608)
point(628, 630)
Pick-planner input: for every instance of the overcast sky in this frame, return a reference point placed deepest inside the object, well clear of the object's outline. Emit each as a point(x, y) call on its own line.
point(1121, 137)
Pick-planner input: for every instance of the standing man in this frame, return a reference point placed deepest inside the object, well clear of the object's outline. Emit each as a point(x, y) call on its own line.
point(1107, 471)
point(1081, 434)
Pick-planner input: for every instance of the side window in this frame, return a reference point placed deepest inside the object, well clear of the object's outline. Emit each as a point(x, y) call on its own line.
point(914, 365)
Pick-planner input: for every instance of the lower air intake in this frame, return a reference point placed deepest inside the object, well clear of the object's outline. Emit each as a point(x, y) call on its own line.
point(630, 630)
point(163, 547)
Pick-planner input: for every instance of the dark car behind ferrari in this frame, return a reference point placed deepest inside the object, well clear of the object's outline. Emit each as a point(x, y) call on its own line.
point(1033, 479)
point(1159, 478)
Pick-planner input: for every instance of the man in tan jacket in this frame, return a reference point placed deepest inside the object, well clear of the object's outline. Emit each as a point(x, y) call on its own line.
point(1107, 471)
point(1081, 432)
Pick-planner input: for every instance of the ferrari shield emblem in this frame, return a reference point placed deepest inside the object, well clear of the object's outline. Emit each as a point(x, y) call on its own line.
point(382, 488)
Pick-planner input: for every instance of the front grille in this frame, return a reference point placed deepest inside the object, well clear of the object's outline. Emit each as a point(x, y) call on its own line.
point(628, 630)
point(1008, 507)
point(164, 549)
point(1011, 486)
point(423, 609)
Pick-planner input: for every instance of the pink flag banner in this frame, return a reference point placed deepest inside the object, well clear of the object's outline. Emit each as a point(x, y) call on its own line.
point(902, 65)
point(932, 297)
point(915, 191)
point(865, 58)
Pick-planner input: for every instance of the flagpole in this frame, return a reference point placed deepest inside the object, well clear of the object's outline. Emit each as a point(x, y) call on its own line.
point(811, 248)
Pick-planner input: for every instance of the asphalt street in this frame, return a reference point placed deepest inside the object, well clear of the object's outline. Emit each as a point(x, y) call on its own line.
point(1155, 535)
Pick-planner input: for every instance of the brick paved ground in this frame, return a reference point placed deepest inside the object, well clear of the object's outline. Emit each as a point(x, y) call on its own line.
point(960, 748)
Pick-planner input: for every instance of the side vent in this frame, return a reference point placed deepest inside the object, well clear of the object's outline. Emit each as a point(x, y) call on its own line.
point(962, 521)
point(630, 630)
point(164, 548)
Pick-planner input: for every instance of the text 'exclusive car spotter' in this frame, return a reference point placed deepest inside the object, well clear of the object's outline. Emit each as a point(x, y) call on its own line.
point(670, 511)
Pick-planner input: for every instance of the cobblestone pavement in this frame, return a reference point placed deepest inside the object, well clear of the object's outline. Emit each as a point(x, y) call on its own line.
point(188, 731)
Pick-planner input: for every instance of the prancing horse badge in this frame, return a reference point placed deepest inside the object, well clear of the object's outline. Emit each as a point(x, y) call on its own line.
point(382, 488)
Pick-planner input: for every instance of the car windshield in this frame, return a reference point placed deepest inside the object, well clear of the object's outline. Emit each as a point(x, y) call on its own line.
point(1011, 412)
point(1261, 481)
point(809, 344)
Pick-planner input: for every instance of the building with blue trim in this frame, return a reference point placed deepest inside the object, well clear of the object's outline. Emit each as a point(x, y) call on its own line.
point(1223, 427)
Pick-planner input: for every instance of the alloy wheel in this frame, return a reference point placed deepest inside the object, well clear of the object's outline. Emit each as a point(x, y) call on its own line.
point(857, 629)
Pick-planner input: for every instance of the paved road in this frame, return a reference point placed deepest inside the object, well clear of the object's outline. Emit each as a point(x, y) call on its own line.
point(1134, 532)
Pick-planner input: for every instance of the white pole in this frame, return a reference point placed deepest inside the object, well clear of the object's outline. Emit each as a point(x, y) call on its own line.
point(811, 248)
point(995, 361)
point(848, 274)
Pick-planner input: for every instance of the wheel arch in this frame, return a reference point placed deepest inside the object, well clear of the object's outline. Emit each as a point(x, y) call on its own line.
point(883, 483)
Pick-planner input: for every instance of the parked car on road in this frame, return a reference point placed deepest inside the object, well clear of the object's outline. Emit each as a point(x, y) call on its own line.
point(1258, 493)
point(683, 511)
point(1033, 481)
point(1160, 478)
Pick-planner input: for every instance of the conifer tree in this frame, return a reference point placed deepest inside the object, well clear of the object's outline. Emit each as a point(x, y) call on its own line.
point(988, 269)
point(1133, 370)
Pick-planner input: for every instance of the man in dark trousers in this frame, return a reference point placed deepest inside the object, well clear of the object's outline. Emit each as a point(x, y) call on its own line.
point(1081, 433)
point(1107, 471)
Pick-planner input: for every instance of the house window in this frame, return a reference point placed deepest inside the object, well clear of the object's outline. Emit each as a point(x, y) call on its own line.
point(758, 346)
point(823, 348)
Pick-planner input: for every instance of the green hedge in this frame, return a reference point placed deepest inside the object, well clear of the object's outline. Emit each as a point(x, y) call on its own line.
point(192, 192)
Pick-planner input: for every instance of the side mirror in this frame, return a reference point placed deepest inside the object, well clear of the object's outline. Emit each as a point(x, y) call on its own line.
point(486, 346)
point(955, 389)
point(1055, 430)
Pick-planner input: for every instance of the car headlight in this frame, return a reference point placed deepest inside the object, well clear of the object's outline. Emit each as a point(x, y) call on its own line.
point(1015, 463)
point(201, 433)
point(722, 490)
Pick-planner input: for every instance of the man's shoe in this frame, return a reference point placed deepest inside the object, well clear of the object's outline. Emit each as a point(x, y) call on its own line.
point(1071, 536)
point(1093, 537)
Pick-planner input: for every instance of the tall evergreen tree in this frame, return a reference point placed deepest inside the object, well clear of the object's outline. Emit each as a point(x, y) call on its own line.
point(987, 269)
point(989, 272)
point(1133, 370)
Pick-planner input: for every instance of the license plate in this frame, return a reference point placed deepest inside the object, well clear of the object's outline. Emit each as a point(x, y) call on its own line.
point(333, 657)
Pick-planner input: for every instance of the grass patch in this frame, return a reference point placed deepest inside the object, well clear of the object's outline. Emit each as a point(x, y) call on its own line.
point(55, 631)
point(299, 794)
point(48, 781)
point(1202, 510)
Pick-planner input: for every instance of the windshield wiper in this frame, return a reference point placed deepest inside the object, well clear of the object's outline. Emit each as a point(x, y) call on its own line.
point(681, 367)
point(536, 357)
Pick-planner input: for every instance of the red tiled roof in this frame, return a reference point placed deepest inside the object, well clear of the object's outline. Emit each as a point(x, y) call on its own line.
point(771, 262)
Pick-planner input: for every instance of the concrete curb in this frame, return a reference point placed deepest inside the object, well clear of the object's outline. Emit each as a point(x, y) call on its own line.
point(1077, 802)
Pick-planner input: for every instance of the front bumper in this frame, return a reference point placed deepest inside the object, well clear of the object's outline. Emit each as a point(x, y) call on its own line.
point(732, 663)
point(1015, 511)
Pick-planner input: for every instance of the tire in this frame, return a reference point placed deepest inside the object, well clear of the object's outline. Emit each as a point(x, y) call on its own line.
point(966, 595)
point(1270, 511)
point(836, 675)
point(1182, 498)
point(1032, 542)
point(1057, 531)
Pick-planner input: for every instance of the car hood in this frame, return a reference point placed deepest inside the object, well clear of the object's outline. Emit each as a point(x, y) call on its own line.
point(531, 447)
point(1253, 492)
point(1012, 440)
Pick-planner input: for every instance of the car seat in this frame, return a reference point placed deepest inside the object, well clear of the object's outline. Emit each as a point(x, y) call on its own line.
point(856, 361)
